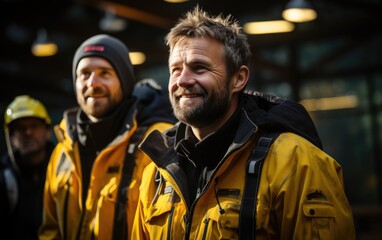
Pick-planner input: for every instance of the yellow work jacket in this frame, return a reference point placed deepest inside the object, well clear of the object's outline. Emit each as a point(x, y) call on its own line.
point(64, 216)
point(293, 170)
point(301, 193)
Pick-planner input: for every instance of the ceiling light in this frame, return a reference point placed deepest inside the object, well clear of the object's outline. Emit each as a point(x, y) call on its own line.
point(41, 47)
point(266, 27)
point(330, 103)
point(137, 58)
point(176, 1)
point(299, 11)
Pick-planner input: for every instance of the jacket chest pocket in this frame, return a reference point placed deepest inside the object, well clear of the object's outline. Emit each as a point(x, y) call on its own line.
point(321, 217)
point(221, 221)
point(105, 203)
point(160, 215)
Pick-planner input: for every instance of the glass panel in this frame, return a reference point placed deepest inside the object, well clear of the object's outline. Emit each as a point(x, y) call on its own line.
point(346, 133)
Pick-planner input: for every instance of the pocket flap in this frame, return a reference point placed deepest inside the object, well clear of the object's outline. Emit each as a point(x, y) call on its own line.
point(318, 210)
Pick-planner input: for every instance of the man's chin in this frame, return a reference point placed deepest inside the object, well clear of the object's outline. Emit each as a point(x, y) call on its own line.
point(98, 112)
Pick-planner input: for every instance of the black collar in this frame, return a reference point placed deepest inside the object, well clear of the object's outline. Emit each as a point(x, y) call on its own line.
point(210, 150)
point(99, 134)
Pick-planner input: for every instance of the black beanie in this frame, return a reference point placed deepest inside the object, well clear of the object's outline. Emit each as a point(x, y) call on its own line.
point(114, 51)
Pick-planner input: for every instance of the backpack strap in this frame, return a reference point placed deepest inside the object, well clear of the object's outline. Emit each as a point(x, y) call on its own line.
point(247, 217)
point(120, 221)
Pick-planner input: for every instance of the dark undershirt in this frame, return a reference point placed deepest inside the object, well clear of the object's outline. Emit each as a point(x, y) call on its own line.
point(94, 137)
point(203, 156)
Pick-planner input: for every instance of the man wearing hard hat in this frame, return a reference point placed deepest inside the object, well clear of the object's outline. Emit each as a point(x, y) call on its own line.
point(27, 131)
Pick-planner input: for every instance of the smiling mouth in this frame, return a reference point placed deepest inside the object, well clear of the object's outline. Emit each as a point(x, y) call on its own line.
point(192, 95)
point(95, 96)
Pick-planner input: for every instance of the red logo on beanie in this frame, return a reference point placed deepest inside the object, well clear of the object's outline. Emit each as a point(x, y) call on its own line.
point(94, 48)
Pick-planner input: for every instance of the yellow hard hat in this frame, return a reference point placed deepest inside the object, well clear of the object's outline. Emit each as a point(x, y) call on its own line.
point(25, 106)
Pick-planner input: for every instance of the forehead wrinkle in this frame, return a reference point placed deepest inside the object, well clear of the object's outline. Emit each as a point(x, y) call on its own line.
point(189, 54)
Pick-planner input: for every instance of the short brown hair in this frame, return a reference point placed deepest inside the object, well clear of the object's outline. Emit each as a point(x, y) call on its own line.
point(198, 24)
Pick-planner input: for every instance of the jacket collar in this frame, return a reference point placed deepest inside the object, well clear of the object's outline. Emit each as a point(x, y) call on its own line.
point(70, 123)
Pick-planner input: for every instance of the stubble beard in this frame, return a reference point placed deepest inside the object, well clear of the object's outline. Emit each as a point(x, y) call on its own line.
point(213, 107)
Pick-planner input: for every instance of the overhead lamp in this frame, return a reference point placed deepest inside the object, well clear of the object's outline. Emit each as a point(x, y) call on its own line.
point(41, 47)
point(299, 11)
point(137, 58)
point(267, 27)
point(331, 103)
point(176, 1)
point(112, 23)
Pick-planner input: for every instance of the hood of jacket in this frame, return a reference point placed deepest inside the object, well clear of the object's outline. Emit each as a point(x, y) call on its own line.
point(153, 103)
point(280, 115)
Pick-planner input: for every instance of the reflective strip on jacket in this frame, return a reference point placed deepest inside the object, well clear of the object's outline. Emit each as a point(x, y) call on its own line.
point(63, 189)
point(301, 196)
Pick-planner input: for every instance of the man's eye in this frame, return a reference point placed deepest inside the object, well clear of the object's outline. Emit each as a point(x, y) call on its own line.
point(199, 69)
point(105, 73)
point(84, 75)
point(175, 71)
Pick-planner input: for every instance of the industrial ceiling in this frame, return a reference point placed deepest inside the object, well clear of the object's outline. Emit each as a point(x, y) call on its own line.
point(355, 24)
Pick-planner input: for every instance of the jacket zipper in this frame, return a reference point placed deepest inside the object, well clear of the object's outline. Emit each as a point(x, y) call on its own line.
point(170, 222)
point(66, 210)
point(187, 221)
point(206, 220)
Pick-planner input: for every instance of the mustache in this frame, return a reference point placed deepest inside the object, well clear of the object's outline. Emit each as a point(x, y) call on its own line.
point(94, 92)
point(189, 91)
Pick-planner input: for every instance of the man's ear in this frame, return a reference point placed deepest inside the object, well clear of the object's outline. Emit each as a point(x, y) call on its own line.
point(240, 79)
